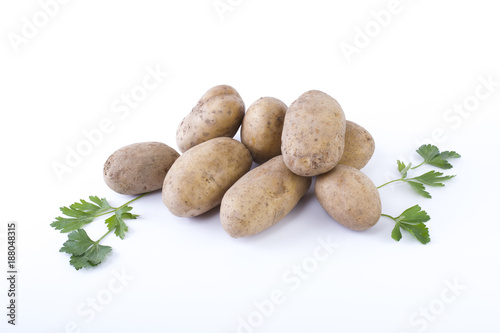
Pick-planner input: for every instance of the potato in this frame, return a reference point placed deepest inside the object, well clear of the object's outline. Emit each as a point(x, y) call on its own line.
point(139, 168)
point(261, 198)
point(312, 142)
point(199, 178)
point(218, 113)
point(262, 127)
point(349, 196)
point(359, 146)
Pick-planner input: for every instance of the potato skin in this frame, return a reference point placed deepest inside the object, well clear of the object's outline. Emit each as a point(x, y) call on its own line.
point(139, 168)
point(199, 178)
point(261, 198)
point(312, 142)
point(359, 146)
point(350, 197)
point(262, 128)
point(219, 113)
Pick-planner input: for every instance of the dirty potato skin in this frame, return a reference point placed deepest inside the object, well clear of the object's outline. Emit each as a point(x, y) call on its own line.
point(139, 168)
point(218, 113)
point(261, 198)
point(359, 146)
point(312, 142)
point(262, 127)
point(199, 178)
point(350, 197)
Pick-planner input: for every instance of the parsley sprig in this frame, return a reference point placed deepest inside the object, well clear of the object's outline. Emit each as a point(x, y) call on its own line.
point(431, 156)
point(411, 220)
point(414, 218)
point(84, 251)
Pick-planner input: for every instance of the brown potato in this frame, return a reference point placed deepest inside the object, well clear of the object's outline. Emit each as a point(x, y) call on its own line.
point(218, 113)
point(139, 168)
point(349, 196)
point(312, 142)
point(199, 178)
point(359, 146)
point(262, 127)
point(261, 198)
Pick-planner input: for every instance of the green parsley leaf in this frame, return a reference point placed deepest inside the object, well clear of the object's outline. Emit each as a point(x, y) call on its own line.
point(419, 231)
point(85, 252)
point(116, 222)
point(432, 178)
point(428, 152)
point(80, 214)
point(433, 157)
point(449, 154)
point(91, 258)
point(403, 169)
point(78, 242)
point(414, 214)
point(396, 232)
point(412, 220)
point(420, 189)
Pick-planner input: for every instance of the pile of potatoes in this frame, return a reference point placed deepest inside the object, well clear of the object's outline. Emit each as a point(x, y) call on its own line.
point(291, 145)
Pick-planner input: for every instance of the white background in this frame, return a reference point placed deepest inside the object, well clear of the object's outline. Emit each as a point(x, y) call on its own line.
point(188, 275)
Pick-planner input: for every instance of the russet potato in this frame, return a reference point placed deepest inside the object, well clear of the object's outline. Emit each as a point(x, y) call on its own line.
point(197, 181)
point(262, 128)
point(139, 167)
point(349, 196)
point(312, 142)
point(218, 113)
point(261, 198)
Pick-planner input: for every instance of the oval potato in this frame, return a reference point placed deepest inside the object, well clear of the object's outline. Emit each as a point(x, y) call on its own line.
point(350, 197)
point(261, 198)
point(312, 142)
point(359, 146)
point(218, 113)
point(199, 178)
point(139, 167)
point(262, 127)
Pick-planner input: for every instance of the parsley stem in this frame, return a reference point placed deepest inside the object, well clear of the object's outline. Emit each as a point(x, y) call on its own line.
point(392, 181)
point(114, 209)
point(137, 198)
point(109, 211)
point(418, 165)
point(97, 242)
point(391, 217)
